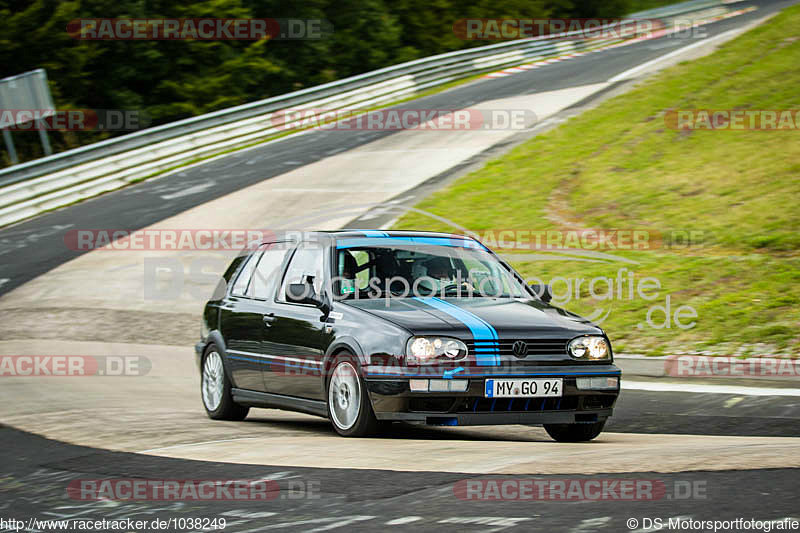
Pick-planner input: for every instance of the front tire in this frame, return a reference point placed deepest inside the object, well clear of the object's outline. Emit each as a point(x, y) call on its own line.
point(349, 408)
point(215, 389)
point(574, 432)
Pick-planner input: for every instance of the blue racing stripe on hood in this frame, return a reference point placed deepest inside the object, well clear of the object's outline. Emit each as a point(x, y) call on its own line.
point(485, 355)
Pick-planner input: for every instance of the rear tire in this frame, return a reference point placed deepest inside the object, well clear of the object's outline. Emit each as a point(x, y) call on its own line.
point(349, 408)
point(574, 432)
point(215, 388)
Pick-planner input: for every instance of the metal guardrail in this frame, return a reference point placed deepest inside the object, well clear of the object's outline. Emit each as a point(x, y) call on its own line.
point(37, 186)
point(677, 9)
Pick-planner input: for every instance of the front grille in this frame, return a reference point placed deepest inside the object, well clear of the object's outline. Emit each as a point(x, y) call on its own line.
point(535, 346)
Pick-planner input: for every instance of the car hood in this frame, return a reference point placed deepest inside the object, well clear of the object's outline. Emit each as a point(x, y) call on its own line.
point(510, 318)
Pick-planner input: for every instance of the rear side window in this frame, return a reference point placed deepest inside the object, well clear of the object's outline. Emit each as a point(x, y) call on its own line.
point(268, 271)
point(245, 273)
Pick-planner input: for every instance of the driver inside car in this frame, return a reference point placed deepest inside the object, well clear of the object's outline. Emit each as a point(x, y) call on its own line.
point(438, 274)
point(348, 274)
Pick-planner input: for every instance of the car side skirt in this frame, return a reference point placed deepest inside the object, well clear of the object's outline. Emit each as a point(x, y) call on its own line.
point(278, 401)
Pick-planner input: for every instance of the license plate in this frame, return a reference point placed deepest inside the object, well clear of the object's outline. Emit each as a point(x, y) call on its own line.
point(523, 388)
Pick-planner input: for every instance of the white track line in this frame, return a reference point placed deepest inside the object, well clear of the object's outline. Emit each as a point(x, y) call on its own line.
point(403, 520)
point(190, 444)
point(707, 389)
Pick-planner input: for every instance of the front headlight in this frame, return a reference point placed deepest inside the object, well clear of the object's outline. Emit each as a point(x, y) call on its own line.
point(589, 347)
point(426, 350)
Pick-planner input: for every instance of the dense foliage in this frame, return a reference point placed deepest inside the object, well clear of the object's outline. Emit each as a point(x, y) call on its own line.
point(174, 79)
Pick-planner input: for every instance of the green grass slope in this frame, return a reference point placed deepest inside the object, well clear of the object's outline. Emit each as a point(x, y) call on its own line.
point(621, 166)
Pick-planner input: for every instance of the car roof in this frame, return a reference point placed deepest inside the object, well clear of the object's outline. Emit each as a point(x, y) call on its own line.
point(343, 233)
point(369, 234)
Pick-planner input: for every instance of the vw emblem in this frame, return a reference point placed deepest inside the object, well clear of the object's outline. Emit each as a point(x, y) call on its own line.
point(520, 349)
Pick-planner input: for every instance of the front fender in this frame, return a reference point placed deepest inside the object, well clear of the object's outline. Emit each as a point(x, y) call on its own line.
point(348, 344)
point(214, 336)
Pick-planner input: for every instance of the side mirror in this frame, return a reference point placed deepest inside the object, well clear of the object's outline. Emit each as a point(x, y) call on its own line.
point(304, 293)
point(542, 290)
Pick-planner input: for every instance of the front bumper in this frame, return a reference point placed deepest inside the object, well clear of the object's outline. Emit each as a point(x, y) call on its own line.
point(392, 399)
point(199, 348)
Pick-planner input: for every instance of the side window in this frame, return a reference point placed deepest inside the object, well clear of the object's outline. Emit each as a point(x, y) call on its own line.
point(240, 285)
point(350, 277)
point(268, 271)
point(306, 261)
point(362, 278)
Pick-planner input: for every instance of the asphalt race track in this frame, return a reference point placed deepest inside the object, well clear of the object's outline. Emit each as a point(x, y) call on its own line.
point(364, 500)
point(715, 456)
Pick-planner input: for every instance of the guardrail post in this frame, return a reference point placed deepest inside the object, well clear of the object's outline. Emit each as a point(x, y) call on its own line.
point(45, 142)
point(12, 152)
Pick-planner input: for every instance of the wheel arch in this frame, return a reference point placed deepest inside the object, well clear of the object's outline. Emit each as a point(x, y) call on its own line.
point(339, 346)
point(216, 338)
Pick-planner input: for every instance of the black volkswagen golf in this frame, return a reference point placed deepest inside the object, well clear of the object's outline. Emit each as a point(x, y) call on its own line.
point(371, 327)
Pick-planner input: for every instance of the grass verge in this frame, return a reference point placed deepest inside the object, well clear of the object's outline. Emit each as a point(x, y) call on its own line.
point(622, 166)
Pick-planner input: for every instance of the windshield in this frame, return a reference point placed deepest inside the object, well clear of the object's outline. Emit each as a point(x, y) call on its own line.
point(459, 269)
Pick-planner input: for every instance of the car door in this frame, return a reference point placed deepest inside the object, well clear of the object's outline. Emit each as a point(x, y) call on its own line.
point(294, 340)
point(247, 315)
point(242, 328)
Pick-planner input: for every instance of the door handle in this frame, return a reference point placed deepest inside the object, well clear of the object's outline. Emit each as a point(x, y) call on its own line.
point(269, 318)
